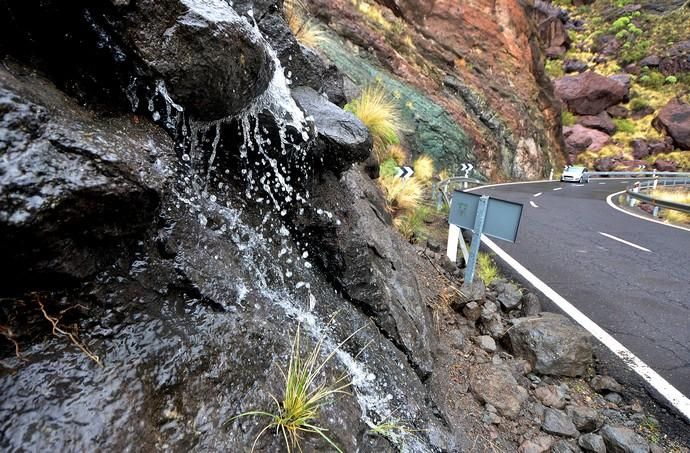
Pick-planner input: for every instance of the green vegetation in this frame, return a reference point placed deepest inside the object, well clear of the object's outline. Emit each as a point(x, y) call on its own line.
point(487, 270)
point(676, 196)
point(303, 27)
point(651, 79)
point(380, 115)
point(554, 69)
point(568, 118)
point(638, 104)
point(411, 224)
point(402, 194)
point(391, 429)
point(303, 398)
point(625, 126)
point(671, 80)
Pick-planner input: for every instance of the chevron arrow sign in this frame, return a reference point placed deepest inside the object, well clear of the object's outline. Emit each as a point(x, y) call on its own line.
point(404, 172)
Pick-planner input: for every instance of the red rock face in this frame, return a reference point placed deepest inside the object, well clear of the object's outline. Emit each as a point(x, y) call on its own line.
point(492, 46)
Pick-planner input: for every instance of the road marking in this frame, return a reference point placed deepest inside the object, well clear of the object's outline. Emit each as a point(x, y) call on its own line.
point(579, 185)
point(533, 204)
point(609, 201)
point(602, 183)
point(661, 385)
point(558, 188)
point(537, 194)
point(623, 241)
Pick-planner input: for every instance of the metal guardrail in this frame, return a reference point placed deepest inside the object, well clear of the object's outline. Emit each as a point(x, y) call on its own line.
point(636, 193)
point(638, 174)
point(439, 191)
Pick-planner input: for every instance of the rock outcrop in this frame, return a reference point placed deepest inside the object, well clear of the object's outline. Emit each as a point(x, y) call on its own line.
point(674, 120)
point(589, 93)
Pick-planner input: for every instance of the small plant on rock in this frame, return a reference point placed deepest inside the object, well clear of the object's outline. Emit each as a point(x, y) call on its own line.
point(568, 118)
point(380, 115)
point(297, 17)
point(303, 397)
point(487, 270)
point(423, 168)
point(411, 224)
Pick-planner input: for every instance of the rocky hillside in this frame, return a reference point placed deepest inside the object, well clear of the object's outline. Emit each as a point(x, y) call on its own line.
point(622, 70)
point(181, 193)
point(468, 77)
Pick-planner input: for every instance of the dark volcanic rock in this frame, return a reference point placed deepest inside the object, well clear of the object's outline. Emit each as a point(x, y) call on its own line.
point(342, 138)
point(652, 61)
point(552, 344)
point(74, 196)
point(677, 59)
point(213, 59)
point(674, 120)
point(508, 294)
point(618, 111)
point(556, 422)
point(589, 93)
point(603, 384)
point(497, 386)
point(592, 442)
point(604, 164)
point(531, 306)
point(601, 122)
point(620, 439)
point(584, 418)
point(574, 66)
point(665, 165)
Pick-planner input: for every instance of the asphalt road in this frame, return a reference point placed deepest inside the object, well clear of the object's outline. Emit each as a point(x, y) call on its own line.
point(641, 298)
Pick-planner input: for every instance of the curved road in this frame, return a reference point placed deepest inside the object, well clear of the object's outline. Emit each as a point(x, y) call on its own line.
point(641, 298)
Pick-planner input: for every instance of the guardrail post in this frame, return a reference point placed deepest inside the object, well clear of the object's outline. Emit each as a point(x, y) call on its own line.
point(655, 211)
point(551, 175)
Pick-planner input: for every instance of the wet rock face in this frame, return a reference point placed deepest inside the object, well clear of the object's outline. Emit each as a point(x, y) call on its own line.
point(55, 179)
point(214, 60)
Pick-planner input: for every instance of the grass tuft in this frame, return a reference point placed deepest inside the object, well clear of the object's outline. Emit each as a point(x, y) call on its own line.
point(303, 398)
point(401, 194)
point(423, 168)
point(305, 30)
point(676, 196)
point(411, 224)
point(487, 269)
point(397, 153)
point(381, 116)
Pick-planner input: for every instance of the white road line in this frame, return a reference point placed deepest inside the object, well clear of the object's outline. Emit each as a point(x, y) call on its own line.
point(533, 204)
point(558, 188)
point(602, 183)
point(610, 236)
point(609, 201)
point(661, 385)
point(579, 185)
point(537, 194)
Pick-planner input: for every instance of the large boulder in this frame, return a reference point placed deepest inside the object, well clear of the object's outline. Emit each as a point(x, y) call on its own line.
point(584, 418)
point(619, 439)
point(601, 122)
point(674, 120)
point(214, 61)
point(579, 139)
point(557, 422)
point(552, 344)
point(342, 138)
point(496, 385)
point(677, 59)
point(589, 93)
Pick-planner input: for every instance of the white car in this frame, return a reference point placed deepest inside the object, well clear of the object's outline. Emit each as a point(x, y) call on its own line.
point(575, 174)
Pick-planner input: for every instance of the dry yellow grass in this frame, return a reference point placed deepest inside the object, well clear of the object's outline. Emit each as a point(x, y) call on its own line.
point(423, 168)
point(397, 153)
point(305, 30)
point(676, 196)
point(380, 115)
point(401, 194)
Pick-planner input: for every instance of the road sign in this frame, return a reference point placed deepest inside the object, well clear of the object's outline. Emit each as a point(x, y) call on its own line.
point(502, 217)
point(482, 215)
point(404, 172)
point(467, 168)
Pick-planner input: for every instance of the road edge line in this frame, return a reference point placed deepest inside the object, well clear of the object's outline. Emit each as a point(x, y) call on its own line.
point(609, 201)
point(674, 397)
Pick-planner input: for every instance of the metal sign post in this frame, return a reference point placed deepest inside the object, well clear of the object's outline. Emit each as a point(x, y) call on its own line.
point(482, 215)
point(476, 238)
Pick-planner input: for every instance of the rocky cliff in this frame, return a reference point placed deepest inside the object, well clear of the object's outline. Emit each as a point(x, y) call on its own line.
point(481, 62)
point(179, 191)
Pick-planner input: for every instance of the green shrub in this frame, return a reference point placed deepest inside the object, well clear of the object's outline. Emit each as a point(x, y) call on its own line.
point(620, 24)
point(554, 69)
point(625, 126)
point(389, 167)
point(638, 104)
point(636, 50)
point(671, 80)
point(487, 270)
point(412, 224)
point(567, 118)
point(652, 79)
